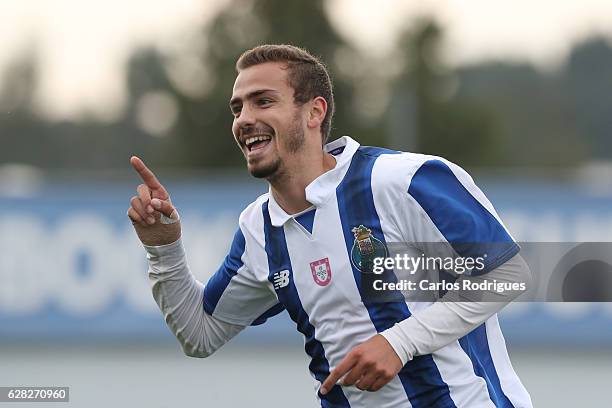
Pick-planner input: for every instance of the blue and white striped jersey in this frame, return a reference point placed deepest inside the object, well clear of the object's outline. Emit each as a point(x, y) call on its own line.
point(307, 267)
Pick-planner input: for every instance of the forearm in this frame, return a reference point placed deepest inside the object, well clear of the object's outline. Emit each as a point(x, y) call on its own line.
point(458, 313)
point(179, 297)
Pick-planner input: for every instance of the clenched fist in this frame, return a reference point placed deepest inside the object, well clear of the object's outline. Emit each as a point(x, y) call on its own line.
point(155, 219)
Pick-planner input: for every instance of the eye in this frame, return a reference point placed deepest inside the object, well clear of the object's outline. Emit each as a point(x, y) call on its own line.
point(264, 101)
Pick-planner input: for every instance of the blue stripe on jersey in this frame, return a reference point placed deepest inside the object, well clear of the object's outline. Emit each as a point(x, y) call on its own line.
point(278, 261)
point(476, 346)
point(271, 312)
point(468, 226)
point(307, 219)
point(220, 280)
point(420, 377)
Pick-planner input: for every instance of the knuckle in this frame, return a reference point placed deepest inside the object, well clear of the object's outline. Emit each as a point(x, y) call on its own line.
point(348, 381)
point(133, 215)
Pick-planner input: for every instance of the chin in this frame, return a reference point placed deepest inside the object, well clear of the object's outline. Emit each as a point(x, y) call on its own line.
point(258, 173)
point(266, 171)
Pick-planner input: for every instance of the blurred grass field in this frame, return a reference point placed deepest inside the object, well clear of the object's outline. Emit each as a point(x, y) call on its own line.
point(162, 377)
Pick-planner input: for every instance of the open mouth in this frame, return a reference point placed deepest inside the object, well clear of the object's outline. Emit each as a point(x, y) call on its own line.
point(257, 142)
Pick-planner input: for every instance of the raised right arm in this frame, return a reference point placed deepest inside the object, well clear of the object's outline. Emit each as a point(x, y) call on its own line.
point(177, 293)
point(179, 297)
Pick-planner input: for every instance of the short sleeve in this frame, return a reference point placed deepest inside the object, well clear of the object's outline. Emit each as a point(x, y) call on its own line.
point(452, 204)
point(234, 294)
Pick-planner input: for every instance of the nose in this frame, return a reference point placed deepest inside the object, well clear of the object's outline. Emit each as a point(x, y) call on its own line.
point(245, 119)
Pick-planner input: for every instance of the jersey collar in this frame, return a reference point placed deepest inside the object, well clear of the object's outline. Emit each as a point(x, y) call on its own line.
point(324, 186)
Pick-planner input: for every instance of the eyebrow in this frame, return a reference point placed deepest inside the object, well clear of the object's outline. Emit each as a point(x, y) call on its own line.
point(237, 101)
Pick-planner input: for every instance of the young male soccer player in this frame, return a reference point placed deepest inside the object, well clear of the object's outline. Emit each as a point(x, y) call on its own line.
point(298, 248)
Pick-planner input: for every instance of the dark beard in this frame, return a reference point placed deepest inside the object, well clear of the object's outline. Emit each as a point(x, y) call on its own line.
point(268, 171)
point(295, 137)
point(294, 141)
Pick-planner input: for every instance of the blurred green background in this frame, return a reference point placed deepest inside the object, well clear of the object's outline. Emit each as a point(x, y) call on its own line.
point(174, 108)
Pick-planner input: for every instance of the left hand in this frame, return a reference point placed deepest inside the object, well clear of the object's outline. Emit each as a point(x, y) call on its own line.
point(370, 366)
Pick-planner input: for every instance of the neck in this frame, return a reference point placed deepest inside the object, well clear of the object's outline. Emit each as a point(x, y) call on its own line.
point(289, 188)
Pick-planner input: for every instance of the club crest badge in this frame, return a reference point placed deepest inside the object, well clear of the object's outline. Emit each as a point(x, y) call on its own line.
point(321, 271)
point(366, 247)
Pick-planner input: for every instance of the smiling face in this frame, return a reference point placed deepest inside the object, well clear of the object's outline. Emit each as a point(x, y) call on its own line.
point(268, 126)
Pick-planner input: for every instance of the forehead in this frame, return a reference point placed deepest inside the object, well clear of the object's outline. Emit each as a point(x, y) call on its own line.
point(270, 75)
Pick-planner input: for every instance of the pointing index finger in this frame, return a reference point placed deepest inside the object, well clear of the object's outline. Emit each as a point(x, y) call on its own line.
point(147, 175)
point(344, 367)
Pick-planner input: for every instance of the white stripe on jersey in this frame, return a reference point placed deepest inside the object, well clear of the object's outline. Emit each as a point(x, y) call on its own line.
point(338, 302)
point(466, 388)
point(510, 383)
point(249, 284)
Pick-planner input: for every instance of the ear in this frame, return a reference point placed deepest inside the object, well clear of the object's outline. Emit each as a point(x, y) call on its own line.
point(316, 113)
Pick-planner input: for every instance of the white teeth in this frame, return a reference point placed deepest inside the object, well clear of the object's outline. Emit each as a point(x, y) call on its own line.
point(249, 141)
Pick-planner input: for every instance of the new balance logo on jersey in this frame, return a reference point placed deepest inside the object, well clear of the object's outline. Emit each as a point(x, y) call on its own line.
point(281, 279)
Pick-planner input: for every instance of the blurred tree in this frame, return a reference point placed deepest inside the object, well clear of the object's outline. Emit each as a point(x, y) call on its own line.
point(433, 120)
point(536, 119)
point(202, 135)
point(16, 101)
point(27, 138)
point(587, 82)
point(487, 114)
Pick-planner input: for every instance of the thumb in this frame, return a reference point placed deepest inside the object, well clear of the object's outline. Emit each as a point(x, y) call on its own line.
point(169, 213)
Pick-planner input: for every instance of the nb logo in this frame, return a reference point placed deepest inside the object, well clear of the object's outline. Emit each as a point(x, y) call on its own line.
point(281, 279)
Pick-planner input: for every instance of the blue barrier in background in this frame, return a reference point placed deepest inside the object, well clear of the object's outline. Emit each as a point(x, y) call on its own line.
point(72, 269)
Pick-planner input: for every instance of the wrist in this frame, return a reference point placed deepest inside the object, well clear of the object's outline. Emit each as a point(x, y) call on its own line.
point(165, 258)
point(159, 234)
point(399, 342)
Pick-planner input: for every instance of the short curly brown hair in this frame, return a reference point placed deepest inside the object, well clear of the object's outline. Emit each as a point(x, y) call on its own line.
point(307, 75)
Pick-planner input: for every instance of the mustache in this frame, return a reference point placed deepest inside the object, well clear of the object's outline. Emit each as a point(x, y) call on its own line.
point(247, 131)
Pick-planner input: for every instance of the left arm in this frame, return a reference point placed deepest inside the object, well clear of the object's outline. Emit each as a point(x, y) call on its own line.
point(456, 314)
point(375, 362)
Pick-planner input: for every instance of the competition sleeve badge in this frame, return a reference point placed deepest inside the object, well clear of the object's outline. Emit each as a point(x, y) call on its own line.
point(321, 271)
point(366, 247)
